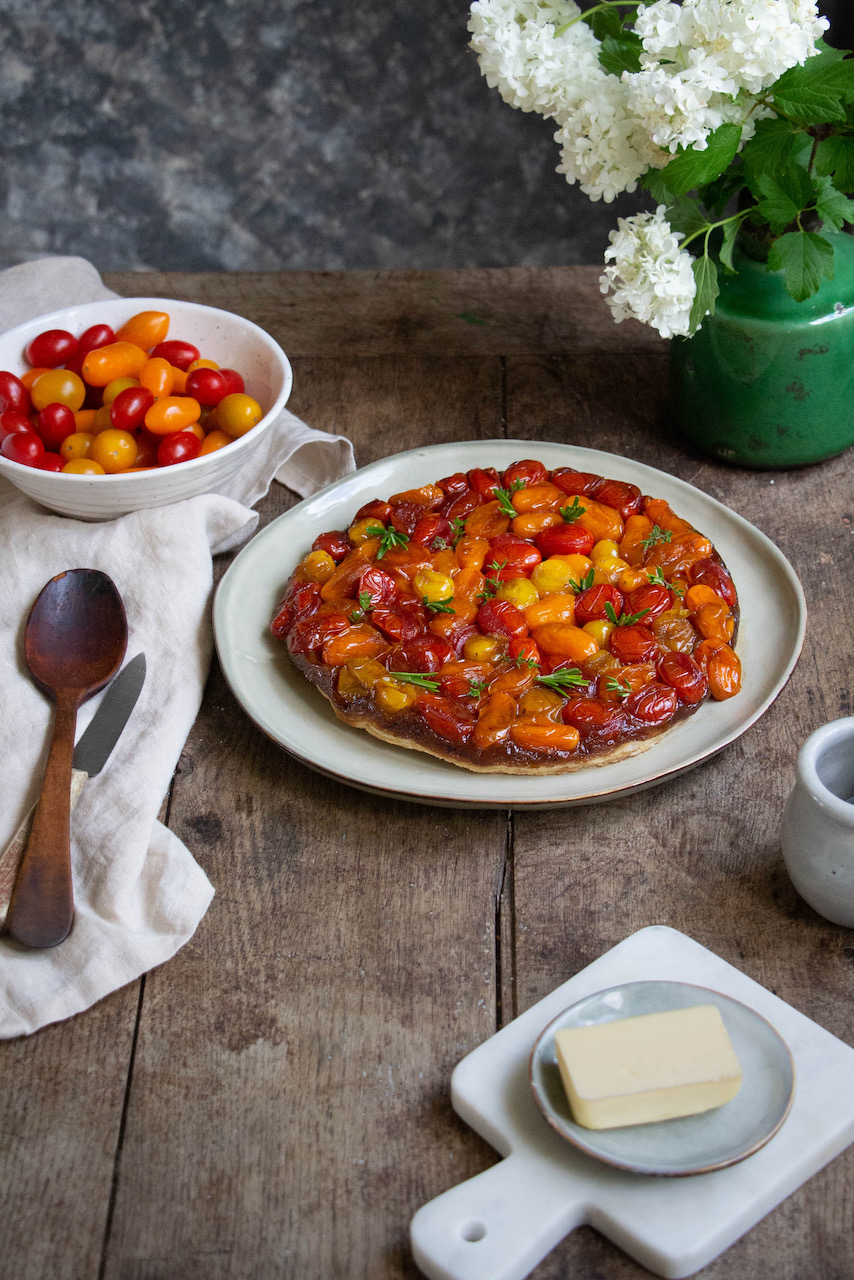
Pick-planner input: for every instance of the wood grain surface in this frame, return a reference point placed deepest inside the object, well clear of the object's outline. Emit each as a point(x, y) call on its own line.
point(274, 1102)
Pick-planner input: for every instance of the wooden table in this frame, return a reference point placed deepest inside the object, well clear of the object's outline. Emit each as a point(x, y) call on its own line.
point(274, 1102)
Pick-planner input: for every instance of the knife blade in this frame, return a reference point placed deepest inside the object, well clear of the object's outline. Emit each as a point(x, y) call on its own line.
point(91, 753)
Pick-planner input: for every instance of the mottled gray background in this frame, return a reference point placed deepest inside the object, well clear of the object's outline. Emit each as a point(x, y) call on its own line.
point(248, 135)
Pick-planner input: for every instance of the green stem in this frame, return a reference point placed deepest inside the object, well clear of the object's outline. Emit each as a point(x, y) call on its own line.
point(597, 8)
point(709, 227)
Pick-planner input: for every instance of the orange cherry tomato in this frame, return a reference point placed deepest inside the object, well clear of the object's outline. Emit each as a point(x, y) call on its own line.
point(145, 329)
point(172, 413)
point(83, 419)
point(30, 376)
point(157, 377)
point(58, 386)
point(115, 360)
point(237, 413)
point(76, 446)
point(83, 467)
point(179, 380)
point(202, 364)
point(215, 440)
point(114, 450)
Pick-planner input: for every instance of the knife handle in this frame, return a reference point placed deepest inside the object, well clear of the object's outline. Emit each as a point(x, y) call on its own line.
point(10, 858)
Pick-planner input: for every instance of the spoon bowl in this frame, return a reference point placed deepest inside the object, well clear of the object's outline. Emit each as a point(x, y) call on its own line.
point(74, 643)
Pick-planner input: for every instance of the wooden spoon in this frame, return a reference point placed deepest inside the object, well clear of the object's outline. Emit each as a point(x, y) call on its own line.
point(75, 641)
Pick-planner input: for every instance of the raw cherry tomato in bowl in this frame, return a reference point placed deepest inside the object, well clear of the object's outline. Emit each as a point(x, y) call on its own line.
point(150, 375)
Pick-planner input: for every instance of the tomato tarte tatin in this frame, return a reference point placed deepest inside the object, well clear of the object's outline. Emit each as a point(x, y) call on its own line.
point(523, 621)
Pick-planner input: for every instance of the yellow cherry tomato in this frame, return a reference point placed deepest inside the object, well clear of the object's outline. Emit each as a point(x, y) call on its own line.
point(114, 450)
point(102, 419)
point(197, 429)
point(215, 440)
point(76, 446)
point(58, 386)
point(172, 413)
point(83, 467)
point(112, 389)
point(145, 329)
point(116, 360)
point(237, 413)
point(157, 377)
point(30, 376)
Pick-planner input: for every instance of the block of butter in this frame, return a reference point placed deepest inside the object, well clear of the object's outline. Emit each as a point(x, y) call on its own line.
point(653, 1067)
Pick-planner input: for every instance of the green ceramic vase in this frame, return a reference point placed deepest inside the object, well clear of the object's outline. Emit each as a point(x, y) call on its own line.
point(767, 381)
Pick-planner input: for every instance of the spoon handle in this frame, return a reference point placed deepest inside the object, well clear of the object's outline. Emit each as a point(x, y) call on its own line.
point(42, 905)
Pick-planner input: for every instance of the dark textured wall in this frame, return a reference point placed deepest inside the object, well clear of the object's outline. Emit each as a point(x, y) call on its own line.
point(247, 135)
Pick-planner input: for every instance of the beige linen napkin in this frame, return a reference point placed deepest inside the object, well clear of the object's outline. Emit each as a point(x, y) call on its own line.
point(139, 893)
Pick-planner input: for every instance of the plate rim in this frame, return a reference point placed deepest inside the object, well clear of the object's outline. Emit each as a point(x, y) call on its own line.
point(593, 793)
point(547, 1033)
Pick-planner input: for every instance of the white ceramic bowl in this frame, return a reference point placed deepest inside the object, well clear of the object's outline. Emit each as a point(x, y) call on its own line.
point(228, 339)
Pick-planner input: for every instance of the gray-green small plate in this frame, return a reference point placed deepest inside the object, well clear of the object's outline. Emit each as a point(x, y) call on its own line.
point(692, 1144)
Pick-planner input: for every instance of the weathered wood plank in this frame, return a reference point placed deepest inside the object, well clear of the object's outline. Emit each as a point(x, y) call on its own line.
point(479, 311)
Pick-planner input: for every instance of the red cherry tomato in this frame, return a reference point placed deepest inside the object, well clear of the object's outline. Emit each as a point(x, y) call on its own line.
point(181, 354)
point(501, 618)
point(50, 462)
point(447, 719)
point(54, 423)
point(399, 622)
point(335, 543)
point(510, 557)
point(423, 654)
point(377, 584)
point(208, 386)
point(650, 600)
point(233, 381)
point(576, 481)
point(485, 480)
point(128, 410)
point(97, 335)
point(565, 540)
point(11, 421)
point(588, 715)
point(376, 509)
point(462, 505)
point(429, 528)
point(24, 447)
point(51, 348)
point(710, 573)
point(653, 704)
point(684, 674)
point(453, 486)
point(13, 393)
point(632, 644)
point(625, 498)
point(524, 651)
point(405, 516)
point(311, 633)
point(590, 605)
point(180, 446)
point(528, 471)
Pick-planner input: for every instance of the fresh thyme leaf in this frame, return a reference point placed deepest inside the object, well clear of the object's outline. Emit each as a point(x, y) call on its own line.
point(439, 606)
point(522, 661)
point(582, 584)
point(657, 578)
point(365, 604)
point(476, 688)
point(502, 497)
point(518, 483)
point(458, 529)
point(438, 544)
point(655, 536)
point(416, 678)
point(618, 686)
point(564, 680)
point(390, 537)
point(572, 511)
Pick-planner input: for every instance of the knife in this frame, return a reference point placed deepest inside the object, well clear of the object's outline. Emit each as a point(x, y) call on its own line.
point(90, 755)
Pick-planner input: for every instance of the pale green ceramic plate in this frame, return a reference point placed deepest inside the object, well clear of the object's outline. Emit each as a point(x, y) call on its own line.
point(692, 1144)
point(294, 714)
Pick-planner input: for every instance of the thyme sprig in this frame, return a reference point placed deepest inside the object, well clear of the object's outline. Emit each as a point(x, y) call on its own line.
point(366, 603)
point(389, 538)
point(655, 536)
point(572, 511)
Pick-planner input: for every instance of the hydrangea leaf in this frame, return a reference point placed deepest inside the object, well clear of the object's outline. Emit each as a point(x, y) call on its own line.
point(834, 208)
point(835, 157)
point(706, 279)
point(786, 196)
point(619, 54)
point(693, 168)
point(815, 92)
point(805, 260)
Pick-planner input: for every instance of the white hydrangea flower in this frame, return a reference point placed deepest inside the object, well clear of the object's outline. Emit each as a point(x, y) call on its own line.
point(605, 147)
point(651, 279)
point(520, 55)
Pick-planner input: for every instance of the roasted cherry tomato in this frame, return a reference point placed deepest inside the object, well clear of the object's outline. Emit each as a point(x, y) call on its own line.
point(527, 471)
point(378, 585)
point(575, 481)
point(632, 644)
point(430, 530)
point(510, 557)
point(398, 623)
point(651, 601)
point(335, 543)
point(52, 348)
point(405, 516)
point(484, 480)
point(684, 674)
point(654, 705)
point(180, 446)
point(710, 573)
point(565, 540)
point(590, 716)
point(423, 654)
point(592, 605)
point(501, 618)
point(625, 498)
point(462, 505)
point(447, 719)
point(453, 486)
